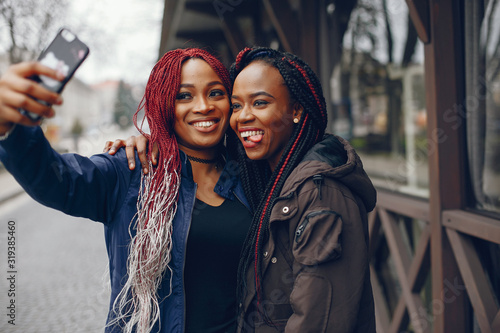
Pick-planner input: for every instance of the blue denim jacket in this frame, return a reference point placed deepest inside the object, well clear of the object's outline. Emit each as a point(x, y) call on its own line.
point(103, 189)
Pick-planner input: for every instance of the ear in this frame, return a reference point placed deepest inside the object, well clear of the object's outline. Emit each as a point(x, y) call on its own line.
point(297, 110)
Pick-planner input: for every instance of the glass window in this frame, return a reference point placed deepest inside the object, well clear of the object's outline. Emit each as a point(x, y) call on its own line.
point(482, 104)
point(379, 96)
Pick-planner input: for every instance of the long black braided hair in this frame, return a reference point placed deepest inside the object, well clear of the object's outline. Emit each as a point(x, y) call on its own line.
point(261, 185)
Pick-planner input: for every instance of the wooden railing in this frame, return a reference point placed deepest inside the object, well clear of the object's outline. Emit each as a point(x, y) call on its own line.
point(412, 266)
point(461, 227)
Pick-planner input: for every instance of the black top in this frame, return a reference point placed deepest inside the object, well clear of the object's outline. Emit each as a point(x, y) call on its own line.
point(213, 251)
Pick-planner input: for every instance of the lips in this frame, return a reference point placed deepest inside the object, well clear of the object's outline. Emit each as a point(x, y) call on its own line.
point(205, 125)
point(254, 136)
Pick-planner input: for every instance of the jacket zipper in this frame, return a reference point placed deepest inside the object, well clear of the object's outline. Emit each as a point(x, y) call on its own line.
point(318, 180)
point(300, 229)
point(303, 225)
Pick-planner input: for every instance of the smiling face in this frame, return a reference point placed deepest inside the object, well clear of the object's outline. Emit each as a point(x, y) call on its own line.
point(263, 112)
point(201, 108)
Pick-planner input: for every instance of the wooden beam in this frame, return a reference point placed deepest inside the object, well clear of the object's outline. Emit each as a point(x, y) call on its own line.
point(444, 83)
point(495, 326)
point(172, 13)
point(400, 318)
point(233, 9)
point(168, 12)
point(402, 262)
point(403, 205)
point(309, 34)
point(234, 36)
point(417, 274)
point(478, 287)
point(381, 310)
point(202, 35)
point(473, 224)
point(285, 22)
point(420, 16)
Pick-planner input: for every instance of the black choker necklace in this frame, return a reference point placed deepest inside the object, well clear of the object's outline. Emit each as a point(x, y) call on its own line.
point(218, 161)
point(201, 160)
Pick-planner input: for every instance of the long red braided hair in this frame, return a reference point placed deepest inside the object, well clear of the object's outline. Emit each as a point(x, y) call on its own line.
point(137, 306)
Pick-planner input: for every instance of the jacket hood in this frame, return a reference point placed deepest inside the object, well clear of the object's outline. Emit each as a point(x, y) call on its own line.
point(334, 157)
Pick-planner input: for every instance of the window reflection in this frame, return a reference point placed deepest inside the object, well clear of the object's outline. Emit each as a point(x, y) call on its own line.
point(379, 95)
point(483, 101)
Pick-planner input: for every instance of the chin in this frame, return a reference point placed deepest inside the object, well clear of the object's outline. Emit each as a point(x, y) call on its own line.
point(253, 156)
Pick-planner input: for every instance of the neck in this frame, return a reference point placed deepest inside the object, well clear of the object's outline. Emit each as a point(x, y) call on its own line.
point(206, 161)
point(205, 154)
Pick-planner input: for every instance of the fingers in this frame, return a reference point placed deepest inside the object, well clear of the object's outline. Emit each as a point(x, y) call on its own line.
point(19, 92)
point(130, 151)
point(142, 147)
point(112, 147)
point(30, 68)
point(107, 147)
point(154, 154)
point(17, 79)
point(133, 143)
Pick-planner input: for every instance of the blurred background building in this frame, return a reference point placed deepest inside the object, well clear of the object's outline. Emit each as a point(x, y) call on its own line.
point(415, 87)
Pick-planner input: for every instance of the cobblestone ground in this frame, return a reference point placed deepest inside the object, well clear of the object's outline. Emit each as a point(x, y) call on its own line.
point(62, 284)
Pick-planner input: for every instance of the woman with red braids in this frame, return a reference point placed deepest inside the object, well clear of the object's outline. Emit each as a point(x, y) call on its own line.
point(304, 265)
point(174, 235)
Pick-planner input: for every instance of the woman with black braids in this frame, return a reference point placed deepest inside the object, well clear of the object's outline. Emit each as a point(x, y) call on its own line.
point(174, 235)
point(304, 265)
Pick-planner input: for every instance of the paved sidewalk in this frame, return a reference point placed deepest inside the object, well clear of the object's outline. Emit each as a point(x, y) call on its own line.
point(9, 188)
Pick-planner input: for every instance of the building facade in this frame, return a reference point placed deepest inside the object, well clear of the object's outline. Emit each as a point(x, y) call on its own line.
point(415, 86)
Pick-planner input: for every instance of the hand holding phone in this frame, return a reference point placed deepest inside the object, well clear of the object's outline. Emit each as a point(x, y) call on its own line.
point(64, 54)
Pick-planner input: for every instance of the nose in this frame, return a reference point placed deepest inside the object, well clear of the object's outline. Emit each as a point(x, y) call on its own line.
point(245, 115)
point(203, 106)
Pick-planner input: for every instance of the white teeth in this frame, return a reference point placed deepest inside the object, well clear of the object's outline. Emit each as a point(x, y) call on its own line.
point(246, 134)
point(204, 124)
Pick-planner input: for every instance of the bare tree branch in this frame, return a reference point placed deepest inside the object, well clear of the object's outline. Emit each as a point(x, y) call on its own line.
point(390, 42)
point(411, 43)
point(30, 24)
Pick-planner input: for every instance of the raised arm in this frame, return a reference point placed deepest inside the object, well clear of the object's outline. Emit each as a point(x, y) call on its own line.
point(77, 185)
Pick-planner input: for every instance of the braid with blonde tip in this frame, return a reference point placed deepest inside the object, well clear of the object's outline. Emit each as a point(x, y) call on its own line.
point(136, 308)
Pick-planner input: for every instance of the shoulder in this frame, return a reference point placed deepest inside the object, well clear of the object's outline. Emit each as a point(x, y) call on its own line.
point(117, 163)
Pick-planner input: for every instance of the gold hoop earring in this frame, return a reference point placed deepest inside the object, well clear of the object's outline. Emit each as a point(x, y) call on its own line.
point(296, 120)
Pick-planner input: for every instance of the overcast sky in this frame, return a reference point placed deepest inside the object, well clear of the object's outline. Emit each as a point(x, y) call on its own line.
point(123, 36)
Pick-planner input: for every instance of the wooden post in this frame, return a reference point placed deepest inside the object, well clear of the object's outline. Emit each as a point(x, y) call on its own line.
point(444, 92)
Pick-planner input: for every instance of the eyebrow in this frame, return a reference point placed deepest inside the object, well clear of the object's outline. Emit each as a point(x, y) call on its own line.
point(255, 94)
point(190, 85)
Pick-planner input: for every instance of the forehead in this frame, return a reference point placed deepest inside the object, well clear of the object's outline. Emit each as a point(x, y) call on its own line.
point(196, 69)
point(258, 74)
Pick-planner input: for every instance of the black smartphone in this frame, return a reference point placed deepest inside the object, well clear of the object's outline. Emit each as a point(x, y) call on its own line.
point(65, 53)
